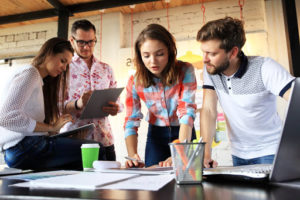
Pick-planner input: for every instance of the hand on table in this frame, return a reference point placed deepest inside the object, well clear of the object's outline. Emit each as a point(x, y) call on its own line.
point(209, 163)
point(130, 163)
point(166, 163)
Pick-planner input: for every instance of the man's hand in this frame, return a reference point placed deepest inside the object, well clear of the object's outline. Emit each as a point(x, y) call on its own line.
point(82, 101)
point(209, 163)
point(112, 109)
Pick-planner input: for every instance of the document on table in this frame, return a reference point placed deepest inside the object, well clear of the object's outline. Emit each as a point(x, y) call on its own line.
point(95, 180)
point(39, 175)
point(155, 170)
point(144, 182)
point(7, 171)
point(79, 181)
point(98, 99)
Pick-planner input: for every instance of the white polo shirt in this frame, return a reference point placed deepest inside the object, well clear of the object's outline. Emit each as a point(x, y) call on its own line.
point(248, 99)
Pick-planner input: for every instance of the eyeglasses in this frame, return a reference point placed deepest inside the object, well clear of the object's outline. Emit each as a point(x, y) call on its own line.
point(82, 43)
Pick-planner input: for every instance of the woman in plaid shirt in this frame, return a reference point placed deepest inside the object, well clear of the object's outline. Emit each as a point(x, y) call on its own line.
point(168, 88)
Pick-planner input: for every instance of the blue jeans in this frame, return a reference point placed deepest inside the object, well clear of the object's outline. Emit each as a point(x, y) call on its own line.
point(157, 145)
point(259, 160)
point(110, 153)
point(44, 153)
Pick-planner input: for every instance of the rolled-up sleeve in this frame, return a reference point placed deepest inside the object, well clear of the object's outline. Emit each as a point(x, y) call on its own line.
point(133, 109)
point(186, 103)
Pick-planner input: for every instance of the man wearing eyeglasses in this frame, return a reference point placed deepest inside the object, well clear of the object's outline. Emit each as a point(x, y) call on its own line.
point(86, 74)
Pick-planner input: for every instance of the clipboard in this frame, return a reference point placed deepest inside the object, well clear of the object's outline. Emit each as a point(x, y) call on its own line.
point(76, 130)
point(98, 99)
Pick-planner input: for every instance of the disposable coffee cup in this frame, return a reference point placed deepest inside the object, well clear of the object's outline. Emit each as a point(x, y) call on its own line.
point(89, 153)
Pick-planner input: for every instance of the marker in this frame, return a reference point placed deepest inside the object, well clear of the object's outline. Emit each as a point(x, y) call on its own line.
point(134, 159)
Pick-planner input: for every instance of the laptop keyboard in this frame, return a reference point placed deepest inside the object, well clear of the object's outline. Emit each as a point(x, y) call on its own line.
point(259, 169)
point(253, 171)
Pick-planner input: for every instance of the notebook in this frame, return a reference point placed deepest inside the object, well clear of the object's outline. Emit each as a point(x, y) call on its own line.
point(286, 165)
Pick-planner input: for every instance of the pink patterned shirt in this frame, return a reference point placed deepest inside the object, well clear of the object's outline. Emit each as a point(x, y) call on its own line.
point(81, 80)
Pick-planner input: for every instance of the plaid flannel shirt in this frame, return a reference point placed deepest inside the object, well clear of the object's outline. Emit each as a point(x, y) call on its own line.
point(167, 106)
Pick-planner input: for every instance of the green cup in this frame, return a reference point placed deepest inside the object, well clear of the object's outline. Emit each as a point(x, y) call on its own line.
point(89, 153)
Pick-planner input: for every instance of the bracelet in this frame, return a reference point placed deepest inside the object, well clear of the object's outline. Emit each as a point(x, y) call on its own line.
point(76, 106)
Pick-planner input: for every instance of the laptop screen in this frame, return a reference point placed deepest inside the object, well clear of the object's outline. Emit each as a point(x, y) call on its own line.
point(286, 165)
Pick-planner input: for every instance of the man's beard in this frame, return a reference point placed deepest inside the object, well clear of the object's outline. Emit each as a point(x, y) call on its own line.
point(219, 69)
point(83, 56)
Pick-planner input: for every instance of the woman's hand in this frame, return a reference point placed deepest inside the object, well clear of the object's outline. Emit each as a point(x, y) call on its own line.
point(62, 120)
point(166, 163)
point(130, 163)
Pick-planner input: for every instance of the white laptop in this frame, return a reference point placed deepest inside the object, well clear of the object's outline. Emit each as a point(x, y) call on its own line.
point(286, 165)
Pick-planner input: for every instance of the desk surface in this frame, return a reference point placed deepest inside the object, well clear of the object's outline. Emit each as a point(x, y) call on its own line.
point(206, 190)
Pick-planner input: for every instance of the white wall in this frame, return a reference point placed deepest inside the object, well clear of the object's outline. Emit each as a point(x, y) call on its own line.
point(263, 24)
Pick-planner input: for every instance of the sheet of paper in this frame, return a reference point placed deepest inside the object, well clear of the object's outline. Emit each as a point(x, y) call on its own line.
point(155, 170)
point(80, 181)
point(6, 171)
point(39, 175)
point(98, 99)
point(144, 182)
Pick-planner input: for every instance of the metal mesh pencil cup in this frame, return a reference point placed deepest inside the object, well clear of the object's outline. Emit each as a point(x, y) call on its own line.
point(187, 162)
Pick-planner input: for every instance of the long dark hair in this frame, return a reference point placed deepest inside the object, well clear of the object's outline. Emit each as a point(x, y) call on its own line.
point(53, 85)
point(170, 74)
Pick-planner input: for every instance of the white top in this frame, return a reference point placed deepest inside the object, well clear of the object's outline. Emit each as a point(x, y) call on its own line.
point(21, 105)
point(248, 100)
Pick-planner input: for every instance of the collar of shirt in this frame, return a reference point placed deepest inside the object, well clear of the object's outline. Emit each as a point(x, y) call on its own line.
point(243, 67)
point(77, 58)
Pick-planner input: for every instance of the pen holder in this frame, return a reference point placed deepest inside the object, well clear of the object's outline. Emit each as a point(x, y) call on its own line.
point(187, 162)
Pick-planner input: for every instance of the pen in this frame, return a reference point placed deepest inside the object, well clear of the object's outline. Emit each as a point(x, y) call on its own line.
point(134, 159)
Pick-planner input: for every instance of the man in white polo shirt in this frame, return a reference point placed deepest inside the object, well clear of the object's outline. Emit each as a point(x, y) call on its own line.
point(246, 88)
